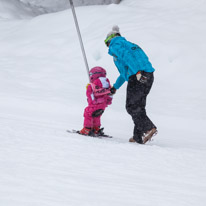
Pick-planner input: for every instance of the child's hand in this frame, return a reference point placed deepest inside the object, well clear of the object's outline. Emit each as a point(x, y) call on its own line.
point(109, 100)
point(113, 90)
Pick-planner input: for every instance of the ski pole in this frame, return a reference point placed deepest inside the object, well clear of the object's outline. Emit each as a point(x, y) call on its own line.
point(79, 35)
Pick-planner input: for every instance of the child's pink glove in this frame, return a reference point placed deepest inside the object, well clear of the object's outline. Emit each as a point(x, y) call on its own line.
point(109, 100)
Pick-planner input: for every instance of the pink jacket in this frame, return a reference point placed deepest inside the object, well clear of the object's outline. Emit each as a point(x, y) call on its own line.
point(97, 93)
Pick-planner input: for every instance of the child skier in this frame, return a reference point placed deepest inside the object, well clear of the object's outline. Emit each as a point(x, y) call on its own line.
point(98, 98)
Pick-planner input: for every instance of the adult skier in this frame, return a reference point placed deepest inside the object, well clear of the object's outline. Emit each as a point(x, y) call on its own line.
point(134, 67)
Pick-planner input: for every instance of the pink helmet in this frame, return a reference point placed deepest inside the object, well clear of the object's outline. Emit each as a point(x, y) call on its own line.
point(96, 72)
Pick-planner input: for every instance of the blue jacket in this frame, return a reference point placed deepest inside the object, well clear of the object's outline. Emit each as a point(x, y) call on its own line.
point(129, 58)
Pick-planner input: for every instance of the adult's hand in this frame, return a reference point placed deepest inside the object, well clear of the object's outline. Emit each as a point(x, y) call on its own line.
point(113, 90)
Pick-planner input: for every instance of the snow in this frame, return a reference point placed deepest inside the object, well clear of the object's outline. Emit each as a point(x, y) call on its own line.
point(13, 9)
point(21, 8)
point(43, 80)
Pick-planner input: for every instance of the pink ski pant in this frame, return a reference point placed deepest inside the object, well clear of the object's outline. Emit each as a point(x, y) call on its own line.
point(90, 121)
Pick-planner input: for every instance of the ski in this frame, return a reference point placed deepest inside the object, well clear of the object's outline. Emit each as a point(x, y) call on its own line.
point(73, 131)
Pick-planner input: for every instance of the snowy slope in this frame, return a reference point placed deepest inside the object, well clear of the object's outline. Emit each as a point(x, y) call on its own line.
point(43, 79)
point(14, 9)
point(26, 8)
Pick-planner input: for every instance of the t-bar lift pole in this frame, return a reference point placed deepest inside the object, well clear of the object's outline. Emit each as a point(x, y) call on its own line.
point(79, 35)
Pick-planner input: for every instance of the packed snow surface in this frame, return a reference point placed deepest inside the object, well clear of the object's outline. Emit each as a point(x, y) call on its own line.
point(42, 88)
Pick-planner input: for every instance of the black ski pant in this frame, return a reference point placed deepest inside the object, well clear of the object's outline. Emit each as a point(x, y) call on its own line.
point(137, 92)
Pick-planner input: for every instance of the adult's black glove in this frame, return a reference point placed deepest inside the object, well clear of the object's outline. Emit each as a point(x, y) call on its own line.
point(113, 90)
